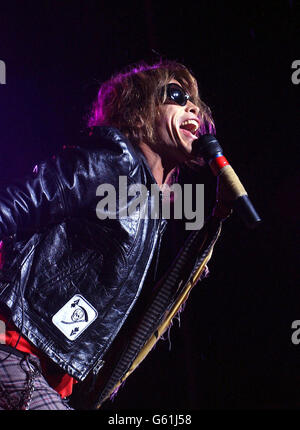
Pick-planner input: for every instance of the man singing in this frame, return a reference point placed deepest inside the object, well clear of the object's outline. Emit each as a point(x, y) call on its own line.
point(74, 284)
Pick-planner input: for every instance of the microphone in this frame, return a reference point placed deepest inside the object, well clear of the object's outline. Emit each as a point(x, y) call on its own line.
point(210, 150)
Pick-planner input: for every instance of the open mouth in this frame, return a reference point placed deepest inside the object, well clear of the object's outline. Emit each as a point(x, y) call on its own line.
point(190, 127)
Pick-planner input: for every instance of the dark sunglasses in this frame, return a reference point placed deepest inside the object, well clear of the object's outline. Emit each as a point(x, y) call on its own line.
point(177, 94)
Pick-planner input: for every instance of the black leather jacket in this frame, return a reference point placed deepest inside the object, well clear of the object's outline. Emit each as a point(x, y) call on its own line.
point(69, 278)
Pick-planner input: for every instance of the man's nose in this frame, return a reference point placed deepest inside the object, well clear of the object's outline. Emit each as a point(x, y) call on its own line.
point(191, 107)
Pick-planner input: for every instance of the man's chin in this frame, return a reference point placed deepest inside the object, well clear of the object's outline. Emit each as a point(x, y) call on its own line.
point(186, 149)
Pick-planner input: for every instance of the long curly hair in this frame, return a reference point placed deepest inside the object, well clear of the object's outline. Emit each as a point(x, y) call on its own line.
point(129, 99)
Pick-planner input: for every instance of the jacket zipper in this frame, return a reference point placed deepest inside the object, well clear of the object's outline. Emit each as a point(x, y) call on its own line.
point(159, 239)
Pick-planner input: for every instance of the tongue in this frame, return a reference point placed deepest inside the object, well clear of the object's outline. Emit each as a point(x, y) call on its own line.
point(188, 127)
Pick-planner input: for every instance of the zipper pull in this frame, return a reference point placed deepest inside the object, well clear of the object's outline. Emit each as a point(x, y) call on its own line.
point(97, 366)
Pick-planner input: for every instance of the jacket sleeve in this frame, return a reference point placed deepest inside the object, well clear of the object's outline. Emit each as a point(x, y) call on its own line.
point(30, 203)
point(61, 187)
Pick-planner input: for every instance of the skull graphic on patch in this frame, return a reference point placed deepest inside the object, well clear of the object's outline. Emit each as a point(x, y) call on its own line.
point(74, 317)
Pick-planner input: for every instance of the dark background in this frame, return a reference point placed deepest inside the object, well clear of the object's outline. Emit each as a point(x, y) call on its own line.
point(233, 348)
